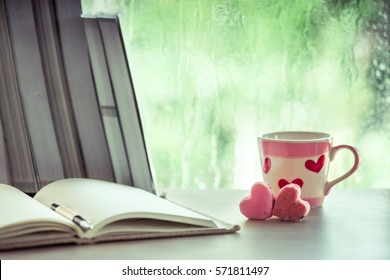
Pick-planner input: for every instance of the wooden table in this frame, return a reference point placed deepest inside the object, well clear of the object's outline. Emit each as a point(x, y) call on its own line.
point(352, 224)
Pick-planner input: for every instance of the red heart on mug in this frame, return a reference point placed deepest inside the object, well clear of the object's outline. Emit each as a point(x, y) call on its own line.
point(315, 166)
point(284, 182)
point(259, 204)
point(288, 204)
point(267, 165)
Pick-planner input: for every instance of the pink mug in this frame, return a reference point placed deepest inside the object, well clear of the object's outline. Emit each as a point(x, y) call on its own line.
point(302, 158)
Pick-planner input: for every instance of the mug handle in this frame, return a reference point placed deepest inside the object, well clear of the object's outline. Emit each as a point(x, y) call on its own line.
point(355, 166)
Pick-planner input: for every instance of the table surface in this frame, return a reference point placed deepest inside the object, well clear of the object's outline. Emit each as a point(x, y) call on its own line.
point(352, 224)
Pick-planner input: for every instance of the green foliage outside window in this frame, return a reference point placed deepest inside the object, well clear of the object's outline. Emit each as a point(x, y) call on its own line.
point(210, 75)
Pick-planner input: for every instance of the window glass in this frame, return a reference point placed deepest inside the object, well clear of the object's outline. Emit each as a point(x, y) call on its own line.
point(210, 75)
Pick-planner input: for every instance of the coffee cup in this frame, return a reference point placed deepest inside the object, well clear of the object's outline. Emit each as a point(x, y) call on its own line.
point(302, 158)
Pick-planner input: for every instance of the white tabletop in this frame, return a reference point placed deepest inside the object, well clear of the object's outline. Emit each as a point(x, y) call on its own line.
point(352, 224)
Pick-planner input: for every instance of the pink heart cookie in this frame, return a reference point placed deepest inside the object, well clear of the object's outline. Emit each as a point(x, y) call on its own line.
point(259, 204)
point(288, 204)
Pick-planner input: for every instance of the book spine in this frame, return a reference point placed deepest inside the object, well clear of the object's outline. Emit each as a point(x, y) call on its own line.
point(32, 89)
point(90, 129)
point(107, 103)
point(8, 90)
point(57, 89)
point(5, 177)
point(126, 103)
point(22, 171)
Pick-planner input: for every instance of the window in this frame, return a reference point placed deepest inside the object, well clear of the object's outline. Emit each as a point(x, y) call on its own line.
point(210, 75)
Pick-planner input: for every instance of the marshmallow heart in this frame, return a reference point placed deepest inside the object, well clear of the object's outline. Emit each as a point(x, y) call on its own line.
point(259, 204)
point(288, 204)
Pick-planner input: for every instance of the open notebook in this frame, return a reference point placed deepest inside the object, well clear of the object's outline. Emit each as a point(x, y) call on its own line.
point(84, 211)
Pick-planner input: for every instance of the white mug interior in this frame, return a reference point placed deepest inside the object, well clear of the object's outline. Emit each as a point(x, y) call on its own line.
point(296, 136)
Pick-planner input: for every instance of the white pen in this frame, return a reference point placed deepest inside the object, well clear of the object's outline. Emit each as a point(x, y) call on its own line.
point(71, 215)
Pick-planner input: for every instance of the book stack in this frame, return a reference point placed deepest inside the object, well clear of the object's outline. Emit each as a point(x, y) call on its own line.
point(67, 102)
